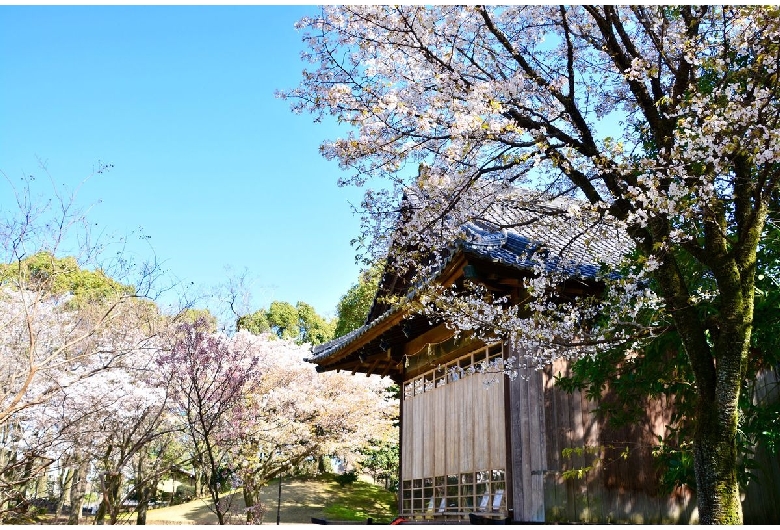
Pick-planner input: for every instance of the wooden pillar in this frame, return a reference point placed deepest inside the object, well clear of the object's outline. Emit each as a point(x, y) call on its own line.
point(528, 445)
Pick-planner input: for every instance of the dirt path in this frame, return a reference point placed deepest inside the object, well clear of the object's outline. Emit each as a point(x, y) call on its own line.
point(301, 500)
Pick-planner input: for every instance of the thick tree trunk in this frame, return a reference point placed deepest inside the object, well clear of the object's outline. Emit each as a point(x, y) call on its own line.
point(715, 439)
point(255, 510)
point(65, 483)
point(114, 504)
point(715, 460)
point(100, 516)
point(249, 501)
point(78, 490)
point(198, 483)
point(718, 356)
point(144, 493)
point(143, 508)
point(109, 505)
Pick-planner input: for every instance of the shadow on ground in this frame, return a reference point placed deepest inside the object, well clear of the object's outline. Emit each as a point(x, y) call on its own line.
point(301, 500)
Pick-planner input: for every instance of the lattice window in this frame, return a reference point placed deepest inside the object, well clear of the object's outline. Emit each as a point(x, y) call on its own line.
point(454, 371)
point(479, 492)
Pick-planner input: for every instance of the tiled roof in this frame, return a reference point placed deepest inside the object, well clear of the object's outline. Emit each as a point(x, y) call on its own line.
point(567, 243)
point(323, 351)
point(562, 228)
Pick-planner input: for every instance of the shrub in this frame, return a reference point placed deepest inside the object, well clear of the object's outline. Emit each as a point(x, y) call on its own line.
point(348, 477)
point(184, 493)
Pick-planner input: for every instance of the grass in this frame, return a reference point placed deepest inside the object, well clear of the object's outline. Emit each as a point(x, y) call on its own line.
point(302, 499)
point(360, 500)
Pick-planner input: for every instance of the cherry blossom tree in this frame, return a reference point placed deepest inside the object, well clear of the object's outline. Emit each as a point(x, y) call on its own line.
point(106, 408)
point(54, 315)
point(657, 122)
point(114, 417)
point(209, 377)
point(292, 414)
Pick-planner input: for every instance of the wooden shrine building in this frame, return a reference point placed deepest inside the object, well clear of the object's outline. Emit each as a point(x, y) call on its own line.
point(484, 444)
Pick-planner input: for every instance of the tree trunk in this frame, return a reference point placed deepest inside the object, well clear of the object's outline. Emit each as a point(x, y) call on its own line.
point(718, 356)
point(23, 490)
point(42, 486)
point(715, 460)
point(114, 504)
point(100, 516)
point(144, 493)
point(219, 508)
point(109, 504)
point(255, 509)
point(715, 439)
point(143, 488)
point(323, 464)
point(249, 500)
point(78, 490)
point(198, 483)
point(143, 508)
point(65, 482)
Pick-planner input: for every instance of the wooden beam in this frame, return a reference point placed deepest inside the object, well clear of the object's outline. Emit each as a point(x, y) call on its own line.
point(435, 335)
point(387, 369)
point(453, 271)
point(373, 367)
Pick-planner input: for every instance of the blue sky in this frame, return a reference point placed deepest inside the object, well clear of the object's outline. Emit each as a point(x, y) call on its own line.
point(208, 164)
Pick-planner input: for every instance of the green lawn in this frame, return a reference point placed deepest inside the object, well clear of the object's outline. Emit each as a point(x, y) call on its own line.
point(302, 499)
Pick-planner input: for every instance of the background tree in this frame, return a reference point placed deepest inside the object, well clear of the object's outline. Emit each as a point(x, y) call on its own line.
point(663, 120)
point(283, 319)
point(55, 314)
point(354, 306)
point(314, 329)
point(299, 323)
point(381, 459)
point(193, 315)
point(256, 323)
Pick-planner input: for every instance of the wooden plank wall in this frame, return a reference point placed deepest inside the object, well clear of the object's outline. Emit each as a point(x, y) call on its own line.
point(456, 428)
point(614, 490)
point(461, 427)
point(626, 490)
point(762, 497)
